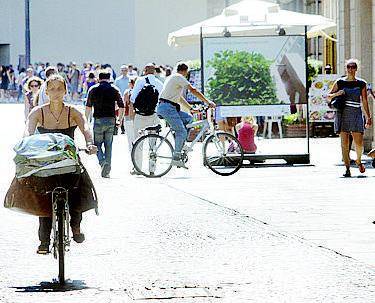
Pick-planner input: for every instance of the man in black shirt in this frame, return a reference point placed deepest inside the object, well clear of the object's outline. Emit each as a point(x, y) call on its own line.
point(103, 97)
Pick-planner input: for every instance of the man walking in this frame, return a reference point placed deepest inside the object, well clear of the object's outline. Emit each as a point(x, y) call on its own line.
point(122, 82)
point(103, 97)
point(145, 98)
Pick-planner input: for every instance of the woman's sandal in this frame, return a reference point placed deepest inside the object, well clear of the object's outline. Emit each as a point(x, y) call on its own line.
point(361, 167)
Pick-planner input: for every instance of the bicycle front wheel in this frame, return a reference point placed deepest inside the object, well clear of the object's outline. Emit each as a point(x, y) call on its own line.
point(223, 154)
point(152, 155)
point(61, 241)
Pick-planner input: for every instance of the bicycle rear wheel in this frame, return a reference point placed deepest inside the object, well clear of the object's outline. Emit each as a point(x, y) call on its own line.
point(223, 154)
point(152, 155)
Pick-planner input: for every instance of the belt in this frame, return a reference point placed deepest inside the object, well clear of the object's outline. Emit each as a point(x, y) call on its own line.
point(161, 100)
point(143, 114)
point(352, 104)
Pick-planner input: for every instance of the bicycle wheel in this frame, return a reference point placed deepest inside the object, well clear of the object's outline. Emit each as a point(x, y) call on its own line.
point(152, 155)
point(61, 238)
point(223, 154)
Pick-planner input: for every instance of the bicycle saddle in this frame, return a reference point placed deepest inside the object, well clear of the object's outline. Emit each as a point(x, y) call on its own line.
point(156, 128)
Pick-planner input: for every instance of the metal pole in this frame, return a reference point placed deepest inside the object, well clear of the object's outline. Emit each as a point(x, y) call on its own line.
point(317, 48)
point(202, 59)
point(307, 96)
point(27, 32)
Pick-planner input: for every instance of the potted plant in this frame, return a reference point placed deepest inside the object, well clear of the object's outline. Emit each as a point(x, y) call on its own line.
point(294, 126)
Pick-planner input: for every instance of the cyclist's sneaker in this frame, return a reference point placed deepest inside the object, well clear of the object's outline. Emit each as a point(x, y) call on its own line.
point(43, 248)
point(79, 238)
point(179, 163)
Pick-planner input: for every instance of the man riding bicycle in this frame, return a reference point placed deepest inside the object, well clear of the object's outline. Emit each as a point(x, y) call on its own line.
point(171, 106)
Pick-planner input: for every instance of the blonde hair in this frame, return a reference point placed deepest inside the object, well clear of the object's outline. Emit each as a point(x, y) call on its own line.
point(249, 119)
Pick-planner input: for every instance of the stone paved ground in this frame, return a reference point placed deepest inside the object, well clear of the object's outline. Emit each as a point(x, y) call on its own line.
point(270, 234)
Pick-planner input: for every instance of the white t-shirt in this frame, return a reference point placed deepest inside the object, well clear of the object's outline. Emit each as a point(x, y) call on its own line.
point(173, 88)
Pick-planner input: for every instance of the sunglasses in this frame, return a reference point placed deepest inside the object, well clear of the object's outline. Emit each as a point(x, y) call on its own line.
point(35, 85)
point(351, 66)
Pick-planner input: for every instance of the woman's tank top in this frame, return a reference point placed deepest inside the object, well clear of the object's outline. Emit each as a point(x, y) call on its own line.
point(65, 131)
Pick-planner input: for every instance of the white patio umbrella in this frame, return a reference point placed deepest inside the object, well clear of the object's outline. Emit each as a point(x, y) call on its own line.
point(252, 17)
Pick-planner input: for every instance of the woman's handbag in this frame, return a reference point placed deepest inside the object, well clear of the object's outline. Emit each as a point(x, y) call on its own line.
point(338, 102)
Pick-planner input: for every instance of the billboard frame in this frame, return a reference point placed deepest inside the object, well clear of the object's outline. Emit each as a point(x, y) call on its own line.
point(292, 159)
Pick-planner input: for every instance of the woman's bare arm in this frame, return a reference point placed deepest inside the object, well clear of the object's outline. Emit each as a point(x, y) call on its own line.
point(82, 124)
point(32, 121)
point(334, 92)
point(365, 105)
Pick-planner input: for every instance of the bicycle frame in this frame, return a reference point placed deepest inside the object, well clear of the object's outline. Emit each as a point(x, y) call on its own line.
point(205, 126)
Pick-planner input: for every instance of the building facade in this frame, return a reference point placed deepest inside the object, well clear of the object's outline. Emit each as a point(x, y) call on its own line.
point(113, 31)
point(356, 39)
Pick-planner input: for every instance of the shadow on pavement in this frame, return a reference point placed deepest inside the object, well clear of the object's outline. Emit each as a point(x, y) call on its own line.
point(257, 165)
point(54, 286)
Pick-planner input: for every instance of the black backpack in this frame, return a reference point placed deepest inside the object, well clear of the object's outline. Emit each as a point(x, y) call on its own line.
point(147, 99)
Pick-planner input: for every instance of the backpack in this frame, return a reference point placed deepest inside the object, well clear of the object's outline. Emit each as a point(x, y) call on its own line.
point(147, 99)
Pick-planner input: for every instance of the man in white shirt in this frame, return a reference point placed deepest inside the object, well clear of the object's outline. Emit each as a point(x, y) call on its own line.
point(171, 101)
point(141, 120)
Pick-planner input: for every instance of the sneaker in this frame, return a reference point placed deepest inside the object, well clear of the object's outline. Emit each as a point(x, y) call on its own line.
point(43, 248)
point(179, 164)
point(134, 172)
point(105, 170)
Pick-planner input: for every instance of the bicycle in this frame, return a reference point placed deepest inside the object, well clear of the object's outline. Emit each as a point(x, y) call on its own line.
point(222, 152)
point(60, 226)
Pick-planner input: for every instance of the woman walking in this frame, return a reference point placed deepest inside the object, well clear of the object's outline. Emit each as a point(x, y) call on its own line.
point(32, 88)
point(349, 120)
point(129, 115)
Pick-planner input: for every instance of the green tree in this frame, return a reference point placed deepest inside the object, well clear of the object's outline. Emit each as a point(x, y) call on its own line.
point(241, 78)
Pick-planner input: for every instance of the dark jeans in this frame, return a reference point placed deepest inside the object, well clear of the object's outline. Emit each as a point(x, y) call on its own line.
point(103, 135)
point(45, 225)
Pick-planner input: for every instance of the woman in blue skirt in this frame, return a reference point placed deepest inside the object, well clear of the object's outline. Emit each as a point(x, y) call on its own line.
point(350, 120)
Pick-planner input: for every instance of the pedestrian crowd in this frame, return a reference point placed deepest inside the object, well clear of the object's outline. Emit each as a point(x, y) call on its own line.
point(78, 79)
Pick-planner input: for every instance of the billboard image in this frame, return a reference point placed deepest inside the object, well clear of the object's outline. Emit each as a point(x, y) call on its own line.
point(255, 70)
